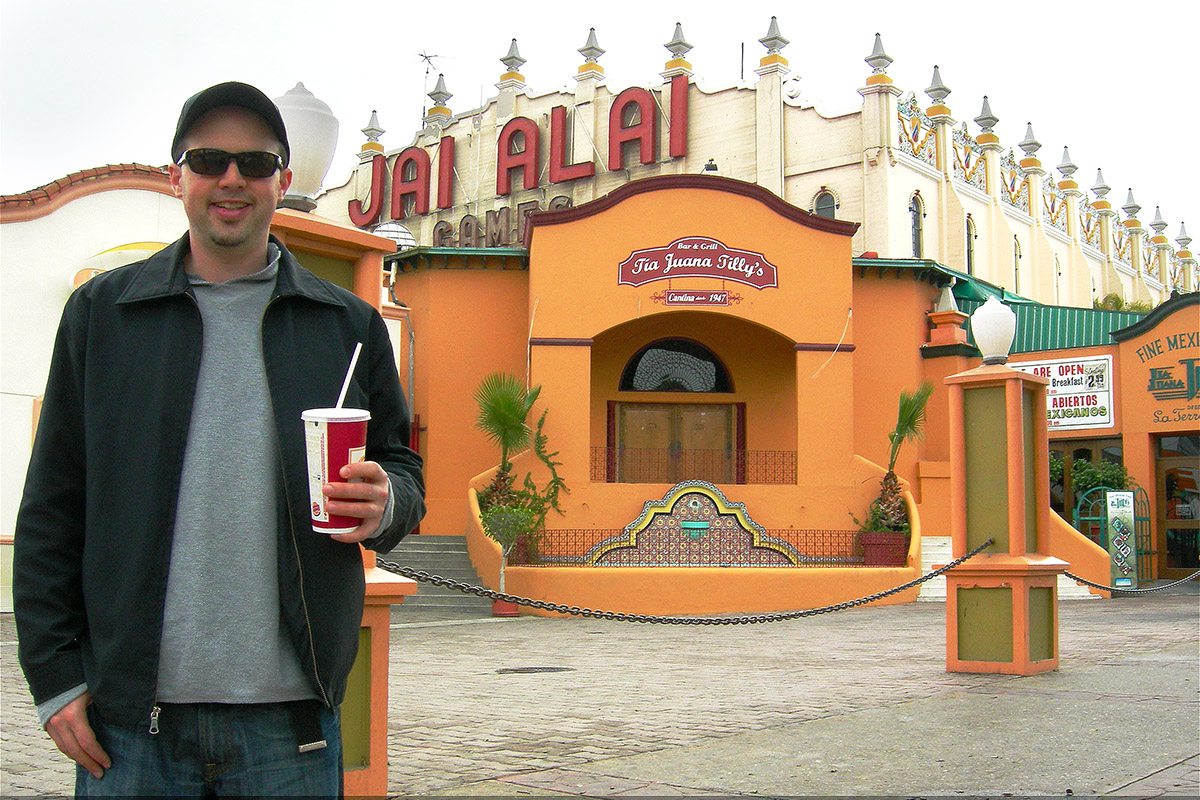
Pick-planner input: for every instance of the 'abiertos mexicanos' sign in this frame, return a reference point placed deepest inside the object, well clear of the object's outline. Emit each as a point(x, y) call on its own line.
point(1080, 390)
point(697, 257)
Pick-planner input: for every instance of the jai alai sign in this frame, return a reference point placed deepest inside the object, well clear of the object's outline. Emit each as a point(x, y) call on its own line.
point(697, 257)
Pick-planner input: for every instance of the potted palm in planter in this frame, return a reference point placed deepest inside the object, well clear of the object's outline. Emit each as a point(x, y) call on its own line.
point(511, 516)
point(884, 535)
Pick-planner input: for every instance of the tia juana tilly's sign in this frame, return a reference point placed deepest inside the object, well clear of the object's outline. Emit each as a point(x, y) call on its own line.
point(697, 257)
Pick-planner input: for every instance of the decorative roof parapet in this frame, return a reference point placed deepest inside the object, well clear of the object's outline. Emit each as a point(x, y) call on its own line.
point(591, 52)
point(512, 79)
point(878, 61)
point(773, 61)
point(1158, 226)
point(439, 115)
point(986, 122)
point(938, 92)
point(1100, 189)
point(1131, 209)
point(372, 145)
point(1030, 145)
point(678, 47)
point(1067, 168)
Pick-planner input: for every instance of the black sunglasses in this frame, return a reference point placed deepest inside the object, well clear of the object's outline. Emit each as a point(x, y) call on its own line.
point(211, 162)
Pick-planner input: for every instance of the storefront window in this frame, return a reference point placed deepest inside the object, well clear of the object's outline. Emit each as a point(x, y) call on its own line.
point(1179, 487)
point(675, 365)
point(1076, 467)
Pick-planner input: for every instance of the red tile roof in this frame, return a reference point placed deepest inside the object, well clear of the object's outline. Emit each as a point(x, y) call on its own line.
point(42, 200)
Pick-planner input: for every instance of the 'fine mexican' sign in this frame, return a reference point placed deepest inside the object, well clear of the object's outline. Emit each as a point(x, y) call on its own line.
point(697, 257)
point(1080, 391)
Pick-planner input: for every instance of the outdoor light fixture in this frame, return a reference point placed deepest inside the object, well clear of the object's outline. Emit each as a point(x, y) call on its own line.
point(312, 132)
point(994, 325)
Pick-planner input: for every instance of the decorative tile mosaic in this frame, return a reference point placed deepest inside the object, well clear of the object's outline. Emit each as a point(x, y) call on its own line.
point(694, 525)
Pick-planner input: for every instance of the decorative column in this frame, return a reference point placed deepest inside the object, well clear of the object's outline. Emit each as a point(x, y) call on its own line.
point(1159, 249)
point(943, 132)
point(438, 116)
point(1076, 265)
point(1137, 248)
point(768, 111)
point(586, 118)
point(989, 142)
point(677, 75)
point(1187, 262)
point(1001, 605)
point(512, 82)
point(1070, 189)
point(1108, 220)
point(879, 134)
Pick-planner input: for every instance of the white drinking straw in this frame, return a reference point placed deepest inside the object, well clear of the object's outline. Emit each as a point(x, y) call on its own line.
point(349, 374)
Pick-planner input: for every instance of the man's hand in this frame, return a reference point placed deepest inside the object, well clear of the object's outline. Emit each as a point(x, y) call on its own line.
point(73, 735)
point(366, 498)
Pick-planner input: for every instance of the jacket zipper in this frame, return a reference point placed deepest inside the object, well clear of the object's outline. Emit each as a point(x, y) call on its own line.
point(155, 709)
point(312, 639)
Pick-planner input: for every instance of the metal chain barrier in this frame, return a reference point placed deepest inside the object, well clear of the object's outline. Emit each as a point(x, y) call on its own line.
point(1119, 590)
point(480, 591)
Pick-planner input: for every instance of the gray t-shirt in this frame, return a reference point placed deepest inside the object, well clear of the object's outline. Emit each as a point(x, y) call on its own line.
point(223, 640)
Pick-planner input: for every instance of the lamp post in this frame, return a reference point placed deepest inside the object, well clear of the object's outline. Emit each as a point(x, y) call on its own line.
point(994, 325)
point(312, 132)
point(1002, 605)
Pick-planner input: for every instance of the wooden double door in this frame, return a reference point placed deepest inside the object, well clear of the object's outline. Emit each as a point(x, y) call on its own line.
point(672, 442)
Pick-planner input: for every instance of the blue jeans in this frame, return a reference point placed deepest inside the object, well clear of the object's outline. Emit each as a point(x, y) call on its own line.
point(213, 749)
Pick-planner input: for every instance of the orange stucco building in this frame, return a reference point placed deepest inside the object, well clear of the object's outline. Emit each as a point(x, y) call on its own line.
point(688, 328)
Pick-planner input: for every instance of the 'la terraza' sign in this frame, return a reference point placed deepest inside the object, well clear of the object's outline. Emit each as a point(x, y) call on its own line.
point(697, 257)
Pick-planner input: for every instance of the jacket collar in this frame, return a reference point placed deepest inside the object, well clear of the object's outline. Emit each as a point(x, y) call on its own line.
point(162, 275)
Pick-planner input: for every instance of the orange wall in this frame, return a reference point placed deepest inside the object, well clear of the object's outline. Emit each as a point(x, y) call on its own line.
point(889, 327)
point(1144, 415)
point(467, 324)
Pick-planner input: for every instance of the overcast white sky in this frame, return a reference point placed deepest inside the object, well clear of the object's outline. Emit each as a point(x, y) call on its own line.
point(90, 83)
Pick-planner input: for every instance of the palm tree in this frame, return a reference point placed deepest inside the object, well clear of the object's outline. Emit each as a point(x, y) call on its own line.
point(504, 405)
point(888, 509)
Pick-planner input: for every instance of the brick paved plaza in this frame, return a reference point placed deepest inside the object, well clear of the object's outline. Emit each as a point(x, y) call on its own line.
point(853, 703)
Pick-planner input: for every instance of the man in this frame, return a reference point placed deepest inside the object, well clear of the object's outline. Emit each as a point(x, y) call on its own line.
point(182, 627)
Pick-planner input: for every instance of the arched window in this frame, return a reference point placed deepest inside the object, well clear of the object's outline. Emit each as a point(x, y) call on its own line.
point(1016, 265)
point(917, 209)
point(675, 365)
point(971, 237)
point(825, 205)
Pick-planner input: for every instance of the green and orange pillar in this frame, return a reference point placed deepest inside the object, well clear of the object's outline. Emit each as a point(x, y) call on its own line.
point(1001, 605)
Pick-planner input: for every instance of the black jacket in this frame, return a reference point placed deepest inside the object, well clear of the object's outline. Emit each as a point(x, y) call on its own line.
point(93, 535)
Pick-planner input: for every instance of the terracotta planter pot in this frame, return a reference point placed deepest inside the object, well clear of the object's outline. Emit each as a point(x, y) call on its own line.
point(503, 608)
point(883, 548)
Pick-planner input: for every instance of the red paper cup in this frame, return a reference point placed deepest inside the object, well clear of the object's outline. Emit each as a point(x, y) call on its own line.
point(334, 437)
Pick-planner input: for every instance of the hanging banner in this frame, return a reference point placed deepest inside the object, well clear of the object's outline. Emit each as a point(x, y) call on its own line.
point(1122, 542)
point(1080, 391)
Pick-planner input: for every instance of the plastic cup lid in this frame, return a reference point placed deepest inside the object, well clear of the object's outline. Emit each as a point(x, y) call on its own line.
point(335, 415)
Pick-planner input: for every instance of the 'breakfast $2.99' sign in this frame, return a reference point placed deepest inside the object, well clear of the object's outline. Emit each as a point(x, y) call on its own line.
point(1080, 391)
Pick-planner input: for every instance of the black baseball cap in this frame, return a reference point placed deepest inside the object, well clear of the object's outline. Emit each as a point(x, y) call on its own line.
point(232, 93)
